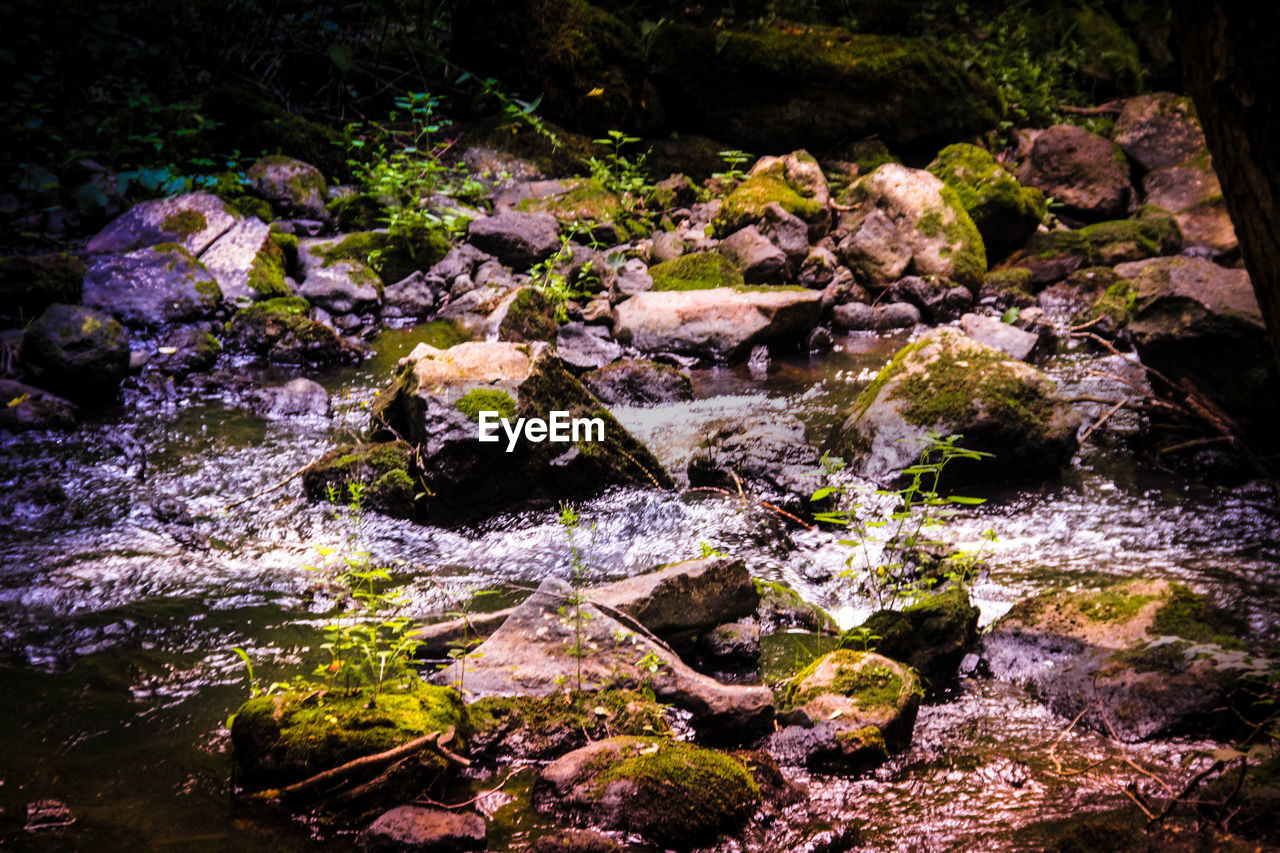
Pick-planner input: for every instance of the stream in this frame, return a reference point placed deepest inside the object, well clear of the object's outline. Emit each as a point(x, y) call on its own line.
point(126, 580)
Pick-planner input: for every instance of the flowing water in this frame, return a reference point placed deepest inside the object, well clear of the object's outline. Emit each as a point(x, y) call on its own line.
point(127, 575)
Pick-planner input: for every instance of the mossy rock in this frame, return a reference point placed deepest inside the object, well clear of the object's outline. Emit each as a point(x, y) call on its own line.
point(545, 727)
point(587, 65)
point(386, 469)
point(795, 182)
point(696, 271)
point(1052, 255)
point(1005, 212)
point(1139, 658)
point(931, 635)
point(77, 352)
point(358, 212)
point(31, 283)
point(529, 317)
point(669, 792)
point(584, 202)
point(280, 330)
point(283, 738)
point(951, 384)
point(780, 605)
point(392, 255)
point(780, 86)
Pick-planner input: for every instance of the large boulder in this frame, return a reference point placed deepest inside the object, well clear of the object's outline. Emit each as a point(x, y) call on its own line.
point(160, 284)
point(720, 324)
point(1005, 212)
point(293, 187)
point(1086, 174)
point(436, 401)
point(778, 86)
point(384, 468)
point(1141, 659)
point(1192, 318)
point(517, 239)
point(1190, 191)
point(549, 644)
point(931, 635)
point(76, 351)
point(795, 183)
point(950, 384)
point(247, 263)
point(906, 221)
point(770, 458)
point(846, 711)
point(338, 277)
point(674, 794)
point(193, 221)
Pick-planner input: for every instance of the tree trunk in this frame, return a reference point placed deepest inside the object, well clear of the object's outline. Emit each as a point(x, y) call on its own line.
point(1231, 65)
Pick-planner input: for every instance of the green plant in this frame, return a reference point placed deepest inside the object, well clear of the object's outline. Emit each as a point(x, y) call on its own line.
point(463, 649)
point(572, 609)
point(863, 636)
point(709, 550)
point(549, 277)
point(624, 176)
point(891, 554)
point(733, 161)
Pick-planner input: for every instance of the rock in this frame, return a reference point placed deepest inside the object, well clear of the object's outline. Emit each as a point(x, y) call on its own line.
point(931, 635)
point(754, 254)
point(412, 297)
point(280, 330)
point(160, 284)
point(950, 383)
point(794, 183)
point(76, 351)
point(667, 792)
point(1191, 193)
point(582, 204)
point(778, 86)
point(186, 350)
point(1193, 319)
point(673, 602)
point(1143, 659)
point(1003, 336)
point(46, 815)
point(788, 232)
point(897, 315)
point(1005, 212)
point(667, 246)
point(516, 239)
point(1086, 174)
point(247, 263)
point(820, 341)
point(193, 221)
point(856, 317)
point(846, 711)
point(386, 469)
point(295, 188)
point(722, 323)
point(27, 408)
point(336, 282)
point(299, 396)
point(782, 607)
point(732, 646)
point(1159, 130)
point(542, 728)
point(939, 301)
point(524, 314)
point(906, 221)
point(771, 458)
point(693, 271)
point(1054, 255)
point(420, 828)
point(634, 277)
point(583, 348)
point(817, 268)
point(599, 312)
point(576, 841)
point(31, 283)
point(460, 260)
point(435, 402)
point(530, 655)
point(286, 737)
point(635, 382)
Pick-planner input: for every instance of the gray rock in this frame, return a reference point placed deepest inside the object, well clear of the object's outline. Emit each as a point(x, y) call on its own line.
point(1086, 174)
point(752, 252)
point(897, 315)
point(519, 240)
point(856, 317)
point(461, 260)
point(939, 301)
point(292, 186)
point(635, 382)
point(818, 268)
point(153, 286)
point(299, 396)
point(419, 829)
point(734, 645)
point(27, 408)
point(1003, 336)
point(76, 351)
point(193, 221)
point(586, 347)
point(413, 297)
point(769, 457)
point(788, 232)
point(530, 655)
point(186, 350)
point(667, 245)
point(820, 340)
point(1159, 130)
point(1192, 194)
point(232, 259)
point(634, 277)
point(339, 286)
point(719, 324)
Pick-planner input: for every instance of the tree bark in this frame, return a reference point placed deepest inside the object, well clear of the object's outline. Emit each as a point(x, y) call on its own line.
point(1231, 66)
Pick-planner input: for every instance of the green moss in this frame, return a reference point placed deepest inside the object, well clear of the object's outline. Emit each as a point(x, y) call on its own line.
point(283, 306)
point(585, 201)
point(391, 255)
point(266, 275)
point(931, 635)
point(251, 206)
point(387, 469)
point(208, 348)
point(869, 686)
point(288, 245)
point(1194, 618)
point(781, 602)
point(530, 317)
point(552, 719)
point(696, 271)
point(950, 393)
point(301, 181)
point(1118, 302)
point(868, 155)
point(967, 252)
point(358, 212)
point(1109, 243)
point(681, 793)
point(1112, 604)
point(1004, 211)
point(208, 288)
point(1012, 280)
point(184, 223)
point(747, 203)
point(480, 400)
point(867, 737)
point(284, 738)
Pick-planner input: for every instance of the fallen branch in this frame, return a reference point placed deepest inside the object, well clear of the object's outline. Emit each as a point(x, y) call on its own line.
point(1102, 419)
point(344, 772)
point(280, 485)
point(1195, 444)
point(427, 801)
point(719, 491)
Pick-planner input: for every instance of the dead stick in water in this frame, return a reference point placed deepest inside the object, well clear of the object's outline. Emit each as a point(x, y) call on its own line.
point(280, 485)
point(1106, 416)
point(344, 771)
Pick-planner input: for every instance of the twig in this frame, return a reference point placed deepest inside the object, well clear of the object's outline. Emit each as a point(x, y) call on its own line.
point(1187, 789)
point(719, 491)
point(269, 489)
point(427, 801)
point(1111, 108)
point(1106, 416)
point(1195, 443)
point(344, 771)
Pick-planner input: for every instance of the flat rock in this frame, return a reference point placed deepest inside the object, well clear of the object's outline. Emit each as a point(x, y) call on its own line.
point(160, 284)
point(421, 829)
point(583, 348)
point(517, 239)
point(246, 263)
point(1005, 337)
point(27, 408)
point(636, 382)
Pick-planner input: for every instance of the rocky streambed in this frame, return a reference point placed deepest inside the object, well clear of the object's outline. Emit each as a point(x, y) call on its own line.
point(694, 661)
